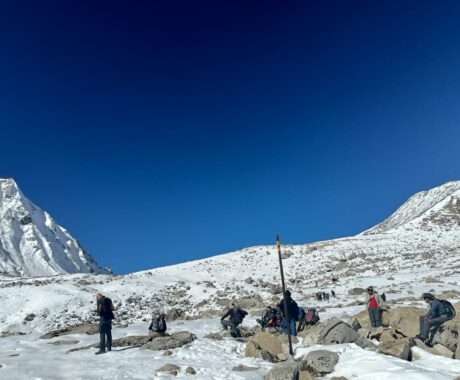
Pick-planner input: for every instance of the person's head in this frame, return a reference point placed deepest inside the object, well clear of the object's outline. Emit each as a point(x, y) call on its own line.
point(370, 290)
point(288, 293)
point(98, 296)
point(269, 307)
point(233, 305)
point(428, 297)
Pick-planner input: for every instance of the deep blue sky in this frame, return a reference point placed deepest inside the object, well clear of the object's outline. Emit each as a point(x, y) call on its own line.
point(159, 132)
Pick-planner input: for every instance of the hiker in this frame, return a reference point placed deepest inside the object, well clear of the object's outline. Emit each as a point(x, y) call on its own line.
point(333, 293)
point(236, 316)
point(269, 318)
point(301, 319)
point(327, 297)
point(290, 319)
point(437, 315)
point(105, 311)
point(373, 303)
point(383, 297)
point(158, 325)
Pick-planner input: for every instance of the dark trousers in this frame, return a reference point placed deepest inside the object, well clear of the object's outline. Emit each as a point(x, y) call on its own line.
point(430, 325)
point(374, 316)
point(289, 325)
point(105, 331)
point(234, 330)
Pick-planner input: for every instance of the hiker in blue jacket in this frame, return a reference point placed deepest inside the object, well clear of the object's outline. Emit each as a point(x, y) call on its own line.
point(436, 316)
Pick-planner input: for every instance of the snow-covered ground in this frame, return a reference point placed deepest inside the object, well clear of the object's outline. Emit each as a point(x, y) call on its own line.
point(416, 250)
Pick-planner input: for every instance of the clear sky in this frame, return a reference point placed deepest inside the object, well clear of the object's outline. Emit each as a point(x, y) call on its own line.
point(160, 132)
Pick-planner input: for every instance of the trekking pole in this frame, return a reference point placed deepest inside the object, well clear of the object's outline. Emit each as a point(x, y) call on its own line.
point(278, 244)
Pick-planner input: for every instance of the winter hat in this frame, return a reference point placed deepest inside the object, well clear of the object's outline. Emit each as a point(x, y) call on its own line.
point(288, 293)
point(428, 295)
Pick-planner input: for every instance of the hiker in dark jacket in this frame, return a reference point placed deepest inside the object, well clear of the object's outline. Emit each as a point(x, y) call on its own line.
point(430, 323)
point(292, 316)
point(236, 316)
point(105, 311)
point(158, 325)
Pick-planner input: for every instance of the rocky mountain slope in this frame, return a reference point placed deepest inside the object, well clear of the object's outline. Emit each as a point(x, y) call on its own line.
point(32, 243)
point(416, 249)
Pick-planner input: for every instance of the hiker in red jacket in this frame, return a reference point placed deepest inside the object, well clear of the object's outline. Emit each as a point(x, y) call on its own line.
point(373, 303)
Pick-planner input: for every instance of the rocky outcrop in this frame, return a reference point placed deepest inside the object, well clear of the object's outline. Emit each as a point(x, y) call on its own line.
point(84, 328)
point(406, 320)
point(175, 340)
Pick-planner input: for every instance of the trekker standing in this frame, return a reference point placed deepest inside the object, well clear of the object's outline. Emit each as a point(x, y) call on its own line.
point(292, 316)
point(105, 311)
point(373, 303)
point(236, 316)
point(436, 316)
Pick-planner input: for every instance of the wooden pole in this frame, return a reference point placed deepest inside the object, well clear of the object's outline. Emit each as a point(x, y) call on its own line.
point(278, 244)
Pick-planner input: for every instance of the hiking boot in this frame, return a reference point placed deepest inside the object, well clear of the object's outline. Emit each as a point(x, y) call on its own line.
point(428, 343)
point(109, 348)
point(100, 352)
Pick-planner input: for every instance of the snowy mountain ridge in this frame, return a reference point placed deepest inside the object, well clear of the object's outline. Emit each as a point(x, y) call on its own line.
point(32, 243)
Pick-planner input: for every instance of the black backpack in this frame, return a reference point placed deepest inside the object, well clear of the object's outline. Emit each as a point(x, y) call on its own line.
point(160, 324)
point(448, 309)
point(238, 316)
point(106, 312)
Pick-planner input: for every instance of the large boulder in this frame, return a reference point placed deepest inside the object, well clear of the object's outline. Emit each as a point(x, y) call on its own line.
point(253, 350)
point(336, 331)
point(448, 335)
point(406, 320)
point(399, 349)
point(288, 370)
point(276, 344)
point(175, 340)
point(320, 363)
point(356, 291)
point(310, 334)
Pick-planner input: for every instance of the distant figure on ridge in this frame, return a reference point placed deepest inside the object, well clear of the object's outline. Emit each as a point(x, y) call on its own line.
point(236, 316)
point(373, 303)
point(158, 325)
point(440, 312)
point(292, 316)
point(105, 311)
point(384, 297)
point(333, 293)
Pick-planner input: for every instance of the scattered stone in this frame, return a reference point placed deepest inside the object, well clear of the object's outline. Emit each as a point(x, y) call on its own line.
point(190, 371)
point(64, 342)
point(356, 291)
point(320, 363)
point(365, 343)
point(167, 353)
point(132, 340)
point(30, 317)
point(399, 349)
point(172, 369)
point(6, 334)
point(244, 368)
point(175, 340)
point(288, 370)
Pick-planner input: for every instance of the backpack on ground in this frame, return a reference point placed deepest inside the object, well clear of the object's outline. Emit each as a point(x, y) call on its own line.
point(107, 306)
point(311, 317)
point(448, 309)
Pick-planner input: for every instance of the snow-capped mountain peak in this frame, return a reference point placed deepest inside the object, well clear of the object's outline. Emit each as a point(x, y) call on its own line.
point(32, 243)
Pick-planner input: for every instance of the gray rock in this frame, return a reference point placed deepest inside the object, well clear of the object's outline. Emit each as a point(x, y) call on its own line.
point(190, 371)
point(133, 340)
point(356, 291)
point(244, 368)
point(30, 317)
point(288, 370)
point(84, 328)
point(336, 331)
point(320, 362)
point(175, 340)
point(399, 349)
point(64, 342)
point(169, 368)
point(365, 343)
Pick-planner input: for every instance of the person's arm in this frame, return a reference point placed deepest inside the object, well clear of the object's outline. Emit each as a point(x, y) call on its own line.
point(434, 309)
point(226, 315)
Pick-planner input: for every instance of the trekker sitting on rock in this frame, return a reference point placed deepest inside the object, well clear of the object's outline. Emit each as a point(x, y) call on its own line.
point(105, 311)
point(437, 315)
point(158, 325)
point(236, 316)
point(269, 318)
point(292, 316)
point(373, 303)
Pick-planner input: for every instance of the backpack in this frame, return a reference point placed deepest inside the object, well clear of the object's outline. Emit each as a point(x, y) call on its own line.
point(448, 309)
point(238, 316)
point(301, 317)
point(106, 312)
point(160, 324)
point(311, 317)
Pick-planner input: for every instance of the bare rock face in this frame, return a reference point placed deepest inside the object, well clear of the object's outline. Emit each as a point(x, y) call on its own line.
point(399, 349)
point(336, 331)
point(275, 344)
point(253, 350)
